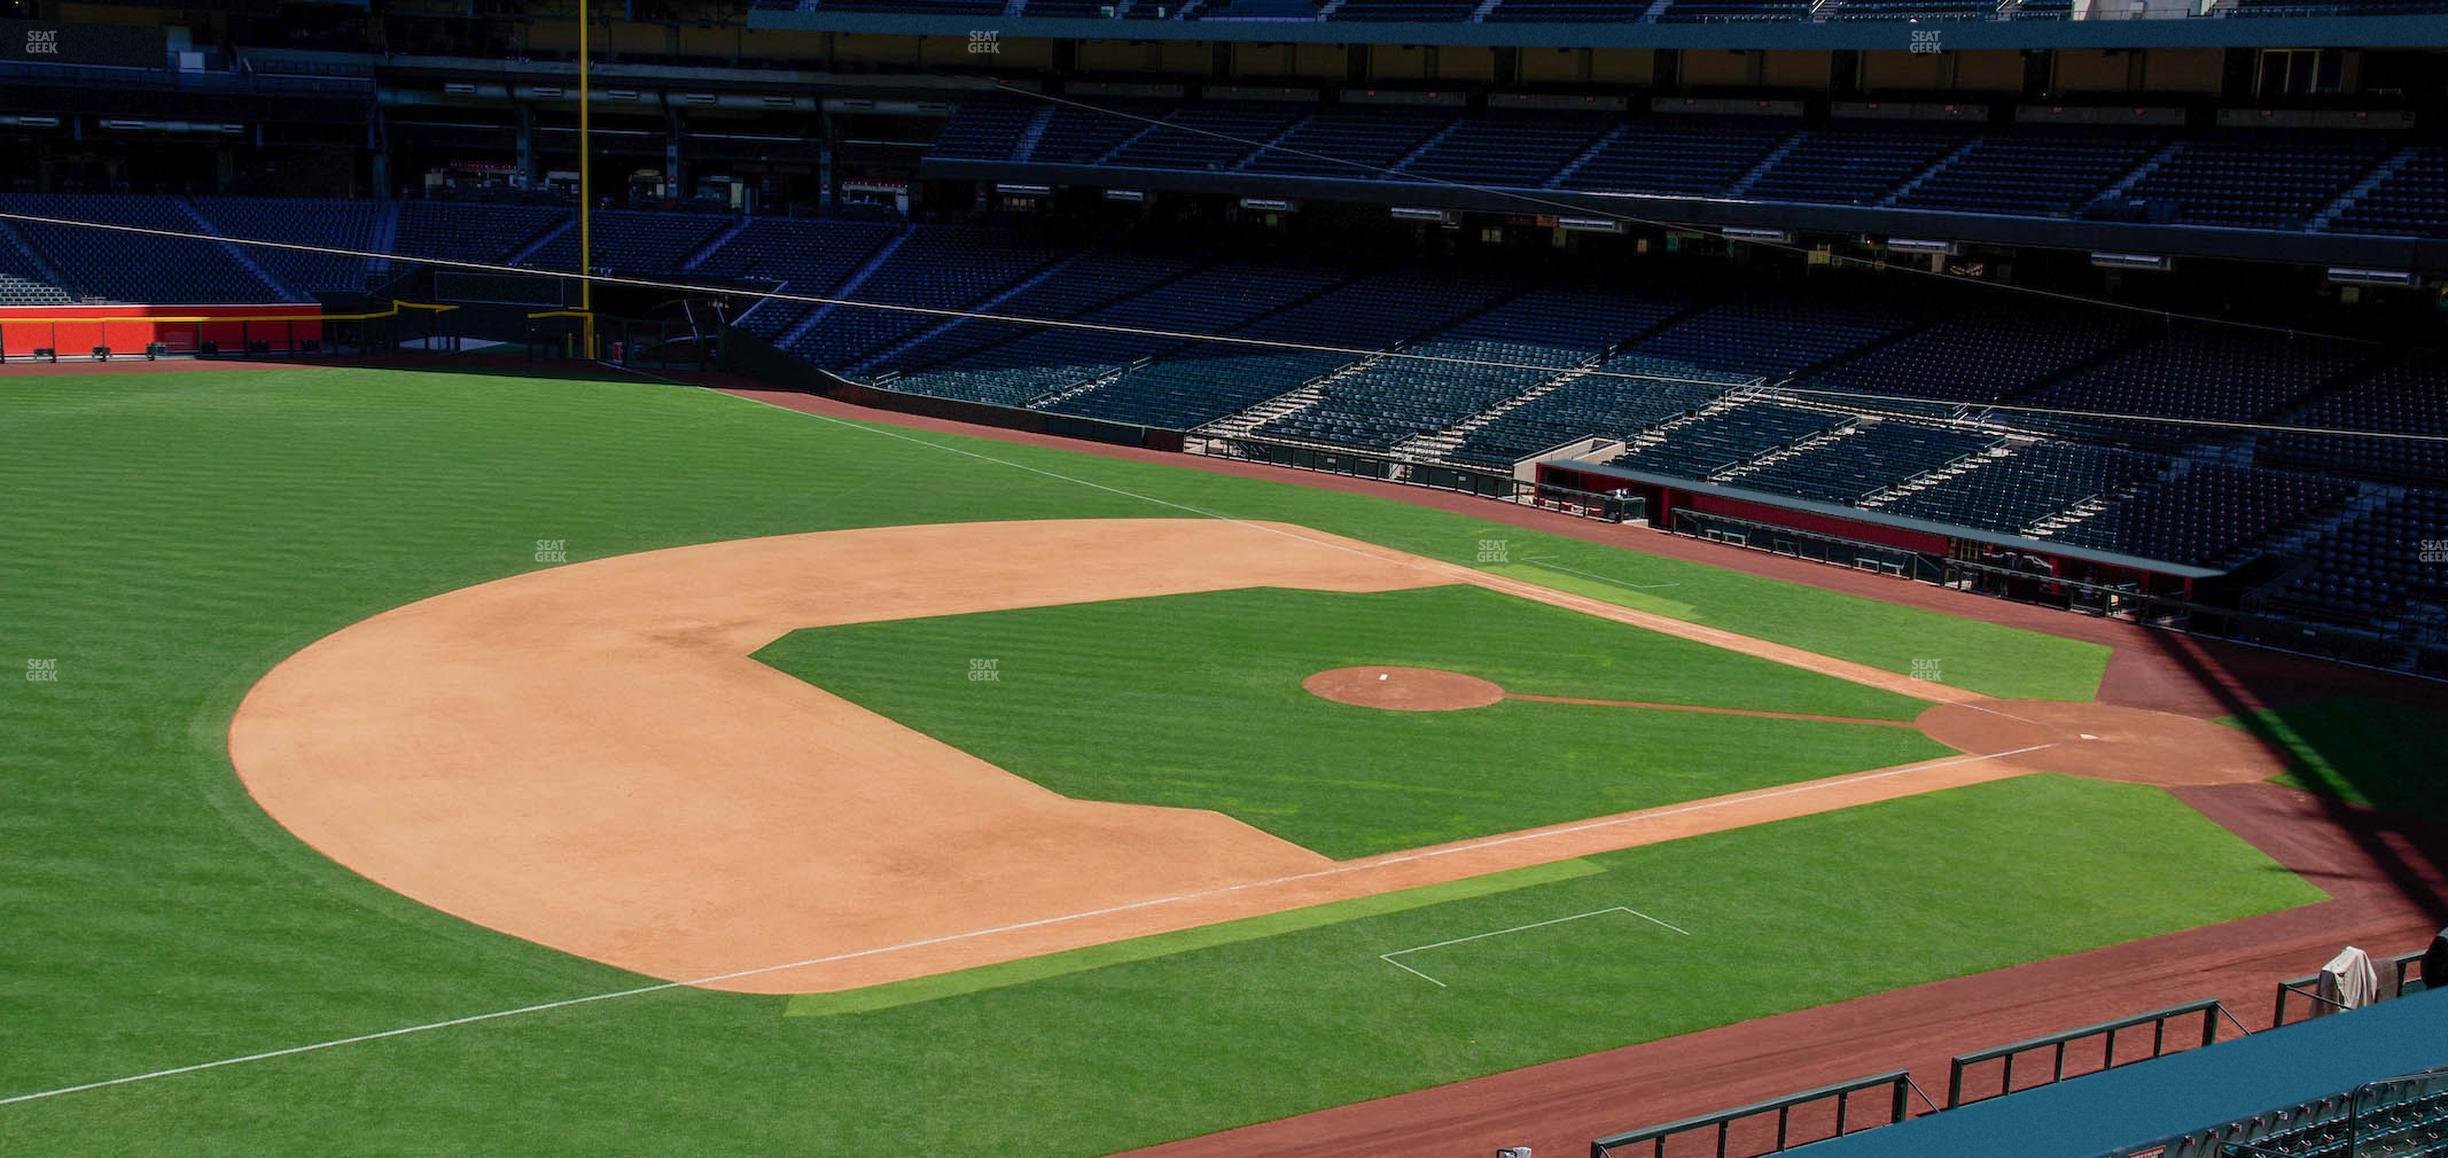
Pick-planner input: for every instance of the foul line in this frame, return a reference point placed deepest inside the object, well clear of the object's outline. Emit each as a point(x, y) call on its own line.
point(1389, 958)
point(1042, 922)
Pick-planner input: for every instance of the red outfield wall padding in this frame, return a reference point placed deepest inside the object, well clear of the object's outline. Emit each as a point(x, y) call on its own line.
point(24, 328)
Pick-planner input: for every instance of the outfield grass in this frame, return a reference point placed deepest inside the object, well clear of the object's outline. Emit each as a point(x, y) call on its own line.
point(1195, 701)
point(171, 538)
point(2361, 751)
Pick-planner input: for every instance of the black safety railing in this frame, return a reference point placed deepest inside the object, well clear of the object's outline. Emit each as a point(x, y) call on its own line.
point(1859, 1104)
point(2111, 1034)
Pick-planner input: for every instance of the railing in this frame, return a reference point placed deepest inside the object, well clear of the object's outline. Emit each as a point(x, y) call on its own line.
point(1890, 1089)
point(2158, 1020)
point(2397, 972)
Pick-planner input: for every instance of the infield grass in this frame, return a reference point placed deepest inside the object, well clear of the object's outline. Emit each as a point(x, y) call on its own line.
point(170, 538)
point(1195, 701)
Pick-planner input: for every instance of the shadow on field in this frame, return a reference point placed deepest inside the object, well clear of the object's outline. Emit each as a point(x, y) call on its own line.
point(2362, 744)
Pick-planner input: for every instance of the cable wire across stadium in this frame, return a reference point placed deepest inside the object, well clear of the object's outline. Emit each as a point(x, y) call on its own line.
point(1353, 352)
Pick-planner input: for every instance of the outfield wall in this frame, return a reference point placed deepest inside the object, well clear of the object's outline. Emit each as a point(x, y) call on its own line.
point(74, 330)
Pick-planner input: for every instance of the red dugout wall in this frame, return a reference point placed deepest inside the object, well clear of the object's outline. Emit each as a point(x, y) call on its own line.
point(74, 330)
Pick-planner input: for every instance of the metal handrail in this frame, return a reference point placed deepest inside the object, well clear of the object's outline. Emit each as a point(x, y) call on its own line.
point(1895, 1082)
point(2209, 1009)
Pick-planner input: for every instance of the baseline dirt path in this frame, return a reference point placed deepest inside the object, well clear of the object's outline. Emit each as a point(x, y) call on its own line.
point(587, 757)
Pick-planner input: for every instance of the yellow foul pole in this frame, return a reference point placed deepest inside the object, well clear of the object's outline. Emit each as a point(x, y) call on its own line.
point(586, 184)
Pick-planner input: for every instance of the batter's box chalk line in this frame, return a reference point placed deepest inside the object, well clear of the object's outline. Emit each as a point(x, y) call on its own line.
point(1389, 958)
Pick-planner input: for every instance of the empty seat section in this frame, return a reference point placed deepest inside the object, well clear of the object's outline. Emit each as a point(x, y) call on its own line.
point(796, 255)
point(1358, 142)
point(624, 241)
point(1214, 300)
point(938, 267)
point(914, 7)
point(120, 266)
point(2410, 397)
point(1429, 10)
point(2254, 179)
point(1511, 149)
point(343, 224)
point(1980, 358)
point(1868, 458)
point(2217, 374)
point(985, 128)
point(1206, 137)
point(1764, 337)
point(2035, 481)
point(1676, 154)
point(1914, 10)
point(1063, 291)
point(1083, 136)
point(1376, 312)
point(1854, 163)
point(2381, 564)
point(23, 279)
point(1556, 11)
point(1534, 337)
point(2037, 172)
point(459, 231)
point(2411, 200)
point(1721, 440)
point(1567, 11)
point(1733, 11)
point(2206, 514)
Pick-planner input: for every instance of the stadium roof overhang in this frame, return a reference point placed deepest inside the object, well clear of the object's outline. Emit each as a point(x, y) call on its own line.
point(2394, 31)
point(1882, 519)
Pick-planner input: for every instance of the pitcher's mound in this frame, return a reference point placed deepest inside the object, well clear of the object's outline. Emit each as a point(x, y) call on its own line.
point(1403, 689)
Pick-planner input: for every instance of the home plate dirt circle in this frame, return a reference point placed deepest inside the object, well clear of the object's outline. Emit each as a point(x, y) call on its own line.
point(2105, 741)
point(1403, 689)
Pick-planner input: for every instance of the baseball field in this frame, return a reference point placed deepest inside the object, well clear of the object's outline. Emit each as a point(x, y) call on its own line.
point(417, 762)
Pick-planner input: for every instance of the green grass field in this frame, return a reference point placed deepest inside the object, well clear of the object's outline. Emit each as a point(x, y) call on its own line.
point(2361, 751)
point(1079, 685)
point(171, 538)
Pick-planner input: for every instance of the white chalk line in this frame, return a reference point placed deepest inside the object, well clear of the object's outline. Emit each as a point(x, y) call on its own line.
point(1389, 958)
point(1042, 922)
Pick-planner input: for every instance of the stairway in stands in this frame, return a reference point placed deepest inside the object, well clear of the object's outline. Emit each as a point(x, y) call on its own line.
point(1596, 147)
point(1904, 190)
point(1993, 458)
point(1024, 146)
point(1752, 175)
point(1440, 443)
point(720, 239)
point(935, 329)
point(1241, 422)
point(1749, 466)
point(2125, 184)
point(849, 286)
point(1654, 435)
point(2368, 497)
point(238, 253)
point(2091, 508)
point(386, 237)
point(527, 253)
point(2345, 201)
